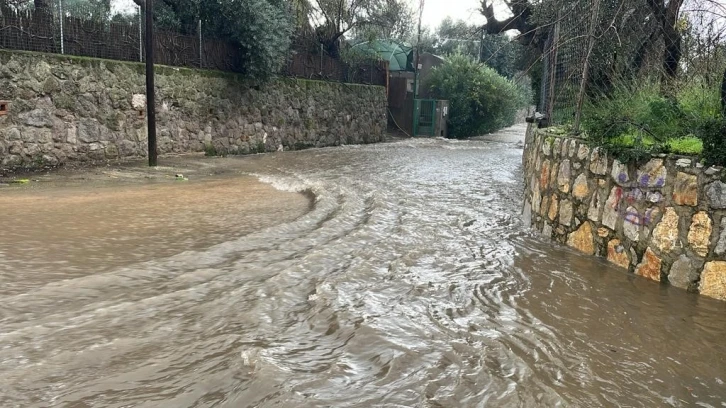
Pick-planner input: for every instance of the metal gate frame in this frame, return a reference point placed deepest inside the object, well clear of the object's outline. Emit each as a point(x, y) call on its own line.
point(424, 117)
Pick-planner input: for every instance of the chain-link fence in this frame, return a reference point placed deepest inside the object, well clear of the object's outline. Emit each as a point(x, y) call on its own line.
point(81, 29)
point(596, 51)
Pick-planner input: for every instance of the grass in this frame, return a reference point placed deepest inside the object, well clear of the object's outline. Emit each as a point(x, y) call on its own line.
point(686, 145)
point(639, 118)
point(630, 140)
point(690, 145)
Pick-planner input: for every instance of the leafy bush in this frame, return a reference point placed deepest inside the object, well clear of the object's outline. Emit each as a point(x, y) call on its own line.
point(261, 28)
point(480, 100)
point(713, 134)
point(642, 118)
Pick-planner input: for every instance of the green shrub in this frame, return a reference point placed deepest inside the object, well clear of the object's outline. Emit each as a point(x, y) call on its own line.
point(260, 28)
point(480, 100)
point(642, 118)
point(713, 134)
point(685, 145)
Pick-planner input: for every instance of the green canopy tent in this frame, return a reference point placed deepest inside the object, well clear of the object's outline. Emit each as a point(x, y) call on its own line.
point(398, 55)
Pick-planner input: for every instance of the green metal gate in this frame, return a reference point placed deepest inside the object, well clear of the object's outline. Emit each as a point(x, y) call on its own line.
point(424, 117)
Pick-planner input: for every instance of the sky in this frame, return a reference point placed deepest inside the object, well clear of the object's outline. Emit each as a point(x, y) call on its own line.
point(434, 10)
point(437, 10)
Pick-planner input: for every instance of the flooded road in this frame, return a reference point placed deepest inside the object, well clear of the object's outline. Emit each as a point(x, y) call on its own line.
point(391, 275)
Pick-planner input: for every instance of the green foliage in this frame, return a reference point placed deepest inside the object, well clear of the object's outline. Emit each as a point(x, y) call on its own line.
point(502, 54)
point(389, 20)
point(210, 150)
point(261, 28)
point(458, 37)
point(713, 134)
point(641, 118)
point(481, 101)
point(685, 145)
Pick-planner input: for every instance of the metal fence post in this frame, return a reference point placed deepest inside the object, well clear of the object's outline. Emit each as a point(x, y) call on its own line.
point(586, 64)
point(141, 39)
point(553, 71)
point(60, 18)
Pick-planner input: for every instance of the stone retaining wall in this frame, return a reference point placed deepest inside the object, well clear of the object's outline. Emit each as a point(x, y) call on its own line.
point(62, 109)
point(663, 219)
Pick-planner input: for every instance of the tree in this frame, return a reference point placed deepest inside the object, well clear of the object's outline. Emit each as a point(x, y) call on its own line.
point(401, 18)
point(534, 19)
point(458, 37)
point(99, 10)
point(667, 13)
point(42, 5)
point(333, 19)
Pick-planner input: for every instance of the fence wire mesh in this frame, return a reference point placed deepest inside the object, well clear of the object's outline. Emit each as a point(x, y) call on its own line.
point(83, 29)
point(597, 49)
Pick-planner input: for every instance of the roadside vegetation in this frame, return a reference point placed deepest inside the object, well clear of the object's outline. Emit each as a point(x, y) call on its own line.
point(480, 100)
point(643, 118)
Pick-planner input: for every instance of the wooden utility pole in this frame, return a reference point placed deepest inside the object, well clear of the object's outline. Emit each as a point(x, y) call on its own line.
point(150, 100)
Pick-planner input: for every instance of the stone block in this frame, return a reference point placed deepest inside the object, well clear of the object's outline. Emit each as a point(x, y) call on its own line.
point(544, 177)
point(582, 239)
point(649, 266)
point(683, 273)
point(712, 171)
point(11, 134)
point(554, 208)
point(599, 161)
point(553, 176)
point(619, 173)
point(37, 118)
point(595, 208)
point(547, 230)
point(610, 212)
point(563, 177)
point(685, 190)
point(544, 207)
point(699, 235)
point(572, 149)
point(654, 197)
point(652, 174)
point(617, 254)
point(112, 152)
point(720, 249)
point(716, 193)
point(526, 213)
point(566, 213)
point(665, 234)
point(536, 197)
point(632, 223)
point(713, 280)
point(583, 152)
point(651, 216)
point(580, 189)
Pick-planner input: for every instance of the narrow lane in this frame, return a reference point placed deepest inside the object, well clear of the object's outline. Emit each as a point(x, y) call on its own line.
point(409, 280)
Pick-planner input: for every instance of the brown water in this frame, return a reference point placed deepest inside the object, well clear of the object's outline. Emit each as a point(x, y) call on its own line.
point(409, 282)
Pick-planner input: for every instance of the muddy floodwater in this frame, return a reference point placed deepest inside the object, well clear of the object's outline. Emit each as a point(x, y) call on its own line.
point(389, 275)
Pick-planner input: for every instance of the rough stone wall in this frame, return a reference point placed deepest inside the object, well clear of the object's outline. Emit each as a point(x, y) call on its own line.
point(663, 219)
point(63, 109)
